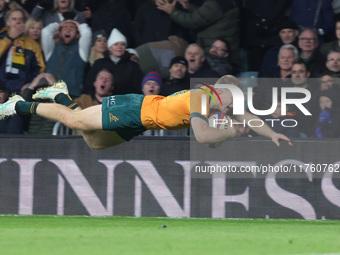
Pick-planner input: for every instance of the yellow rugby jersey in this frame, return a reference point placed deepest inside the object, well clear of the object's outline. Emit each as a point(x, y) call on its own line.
point(173, 112)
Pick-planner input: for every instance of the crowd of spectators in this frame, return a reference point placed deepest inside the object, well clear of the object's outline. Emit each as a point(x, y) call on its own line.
point(106, 47)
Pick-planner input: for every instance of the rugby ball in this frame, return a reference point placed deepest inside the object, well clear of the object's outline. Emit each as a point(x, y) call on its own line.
point(218, 120)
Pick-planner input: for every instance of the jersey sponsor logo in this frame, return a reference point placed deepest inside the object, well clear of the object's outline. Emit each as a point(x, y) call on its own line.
point(113, 118)
point(112, 100)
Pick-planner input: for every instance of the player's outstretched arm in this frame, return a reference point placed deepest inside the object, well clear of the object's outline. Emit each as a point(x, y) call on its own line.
point(264, 130)
point(206, 134)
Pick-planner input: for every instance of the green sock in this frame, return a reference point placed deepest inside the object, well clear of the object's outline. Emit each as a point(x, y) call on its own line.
point(66, 100)
point(26, 108)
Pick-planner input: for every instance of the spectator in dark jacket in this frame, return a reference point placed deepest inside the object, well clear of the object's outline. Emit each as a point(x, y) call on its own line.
point(153, 25)
point(112, 14)
point(288, 32)
point(3, 9)
point(212, 20)
point(308, 45)
point(259, 26)
point(197, 66)
point(177, 80)
point(127, 74)
point(305, 14)
point(61, 11)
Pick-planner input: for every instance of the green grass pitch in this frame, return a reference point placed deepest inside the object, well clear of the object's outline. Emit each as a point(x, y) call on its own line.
point(73, 235)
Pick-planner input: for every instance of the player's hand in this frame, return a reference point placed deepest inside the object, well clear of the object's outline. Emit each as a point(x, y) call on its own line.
point(277, 137)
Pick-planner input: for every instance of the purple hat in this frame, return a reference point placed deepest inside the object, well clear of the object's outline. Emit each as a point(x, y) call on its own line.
point(152, 76)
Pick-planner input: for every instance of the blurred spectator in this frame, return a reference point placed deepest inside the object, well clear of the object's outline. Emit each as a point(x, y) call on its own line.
point(152, 84)
point(197, 66)
point(213, 19)
point(62, 10)
point(288, 32)
point(99, 46)
point(67, 59)
point(328, 122)
point(313, 14)
point(37, 124)
point(300, 79)
point(103, 87)
point(127, 73)
point(33, 28)
point(87, 8)
point(326, 82)
point(218, 57)
point(134, 56)
point(336, 6)
point(21, 56)
point(177, 80)
point(156, 56)
point(112, 14)
point(308, 44)
point(288, 54)
point(326, 47)
point(3, 9)
point(333, 63)
point(153, 25)
point(10, 125)
point(260, 21)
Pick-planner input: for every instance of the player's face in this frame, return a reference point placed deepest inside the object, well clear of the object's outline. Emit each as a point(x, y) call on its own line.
point(101, 44)
point(177, 71)
point(117, 50)
point(333, 62)
point(326, 82)
point(69, 32)
point(324, 103)
point(35, 31)
point(288, 35)
point(227, 101)
point(151, 88)
point(104, 84)
point(286, 59)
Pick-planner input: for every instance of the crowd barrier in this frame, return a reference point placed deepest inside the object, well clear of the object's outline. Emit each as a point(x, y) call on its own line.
point(156, 176)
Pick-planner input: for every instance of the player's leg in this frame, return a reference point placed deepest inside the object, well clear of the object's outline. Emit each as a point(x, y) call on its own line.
point(96, 139)
point(101, 139)
point(87, 119)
